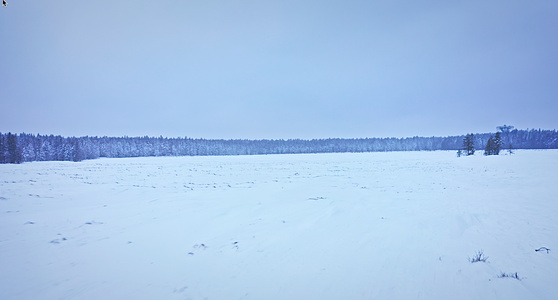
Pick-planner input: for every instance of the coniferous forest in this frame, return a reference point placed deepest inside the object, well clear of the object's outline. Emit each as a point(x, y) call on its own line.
point(17, 148)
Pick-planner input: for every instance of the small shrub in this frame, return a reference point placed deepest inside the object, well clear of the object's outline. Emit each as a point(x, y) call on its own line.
point(509, 275)
point(479, 256)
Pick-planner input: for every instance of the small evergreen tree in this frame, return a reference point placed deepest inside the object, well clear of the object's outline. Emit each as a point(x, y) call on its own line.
point(469, 144)
point(489, 149)
point(498, 143)
point(493, 145)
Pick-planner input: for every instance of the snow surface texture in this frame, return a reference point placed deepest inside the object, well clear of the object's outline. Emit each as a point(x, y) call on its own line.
point(399, 225)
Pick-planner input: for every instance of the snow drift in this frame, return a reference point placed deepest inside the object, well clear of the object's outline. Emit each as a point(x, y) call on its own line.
point(396, 225)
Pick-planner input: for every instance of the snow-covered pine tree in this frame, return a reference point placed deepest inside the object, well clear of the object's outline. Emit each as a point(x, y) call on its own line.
point(494, 145)
point(498, 143)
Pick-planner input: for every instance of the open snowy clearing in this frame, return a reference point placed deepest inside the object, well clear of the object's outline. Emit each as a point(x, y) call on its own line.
point(398, 225)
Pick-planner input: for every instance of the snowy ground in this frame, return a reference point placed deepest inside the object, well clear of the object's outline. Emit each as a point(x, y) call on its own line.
point(399, 225)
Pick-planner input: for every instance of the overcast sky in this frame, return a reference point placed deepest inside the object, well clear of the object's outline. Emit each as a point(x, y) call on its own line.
point(277, 69)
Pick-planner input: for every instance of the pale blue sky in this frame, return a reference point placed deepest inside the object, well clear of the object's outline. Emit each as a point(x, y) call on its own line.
point(277, 69)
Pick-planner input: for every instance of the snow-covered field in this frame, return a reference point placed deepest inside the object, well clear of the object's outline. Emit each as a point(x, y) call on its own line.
point(399, 225)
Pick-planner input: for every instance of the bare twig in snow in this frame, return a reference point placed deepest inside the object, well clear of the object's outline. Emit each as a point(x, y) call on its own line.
point(479, 256)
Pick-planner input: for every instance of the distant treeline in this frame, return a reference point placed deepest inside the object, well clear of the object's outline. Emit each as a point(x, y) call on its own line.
point(16, 148)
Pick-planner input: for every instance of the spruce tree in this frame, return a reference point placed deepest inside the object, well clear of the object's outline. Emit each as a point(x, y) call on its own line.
point(489, 149)
point(494, 145)
point(498, 143)
point(469, 144)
